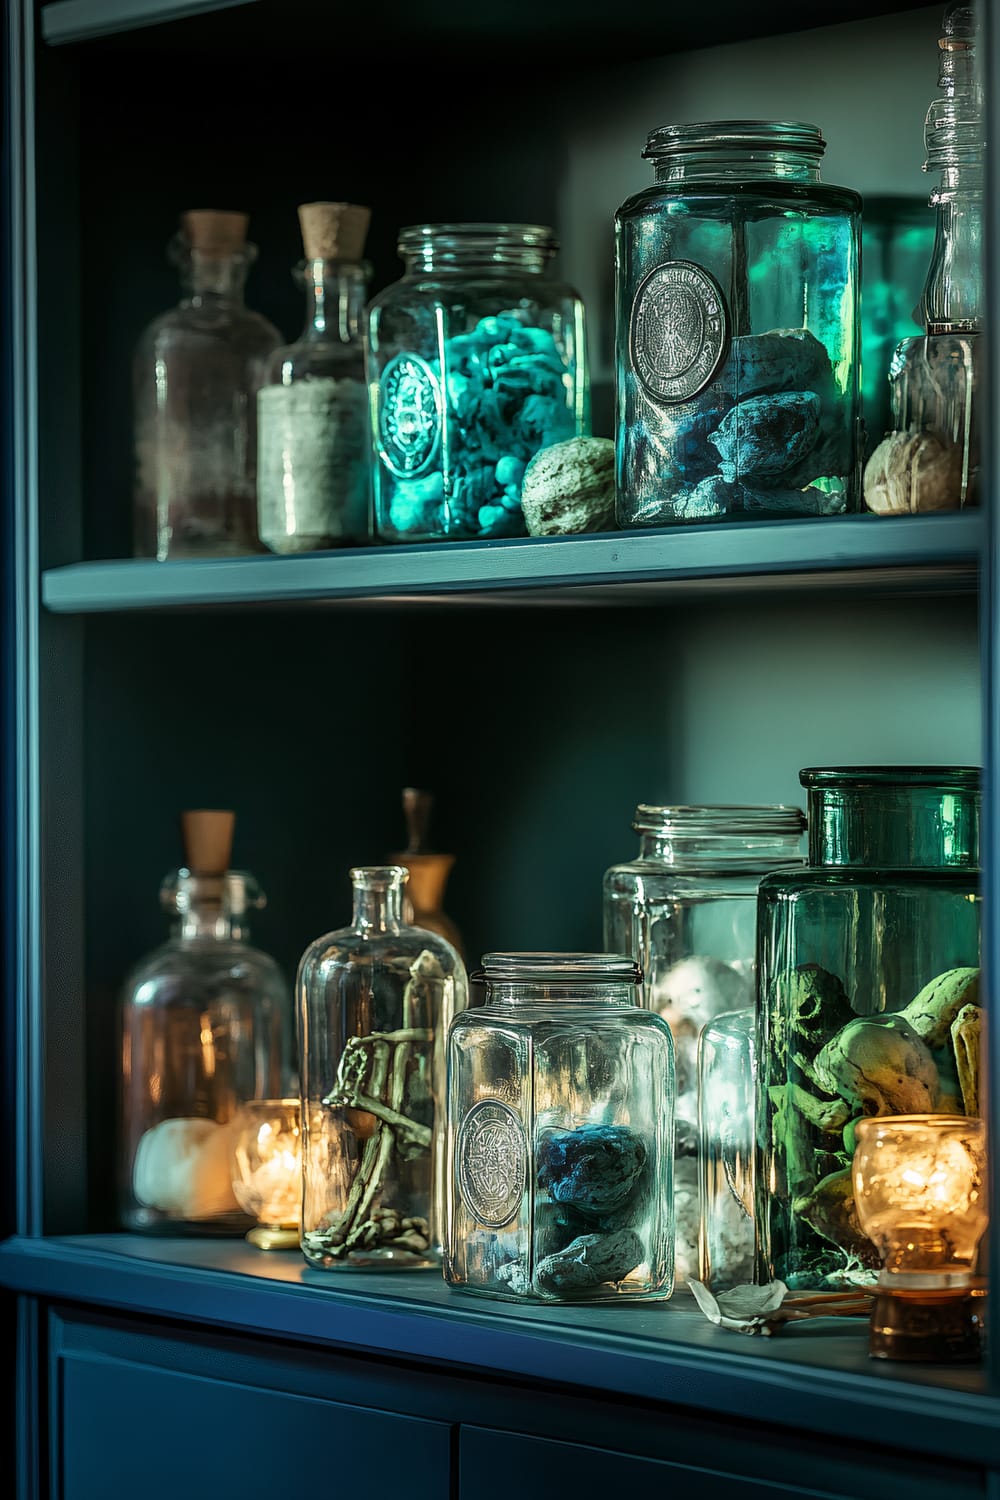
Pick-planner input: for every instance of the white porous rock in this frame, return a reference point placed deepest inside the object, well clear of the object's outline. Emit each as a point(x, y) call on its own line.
point(570, 487)
point(184, 1168)
point(913, 471)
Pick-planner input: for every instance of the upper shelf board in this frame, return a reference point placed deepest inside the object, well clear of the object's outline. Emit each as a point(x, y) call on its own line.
point(565, 26)
point(859, 553)
point(80, 20)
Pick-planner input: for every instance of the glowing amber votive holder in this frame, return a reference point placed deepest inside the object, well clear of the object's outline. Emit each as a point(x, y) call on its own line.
point(267, 1171)
point(920, 1190)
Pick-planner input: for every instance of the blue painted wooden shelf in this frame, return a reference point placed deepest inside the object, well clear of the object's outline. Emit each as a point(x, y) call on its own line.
point(79, 20)
point(815, 1377)
point(652, 25)
point(860, 553)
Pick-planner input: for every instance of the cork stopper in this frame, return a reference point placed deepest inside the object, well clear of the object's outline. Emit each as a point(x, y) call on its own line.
point(417, 806)
point(208, 841)
point(334, 231)
point(215, 233)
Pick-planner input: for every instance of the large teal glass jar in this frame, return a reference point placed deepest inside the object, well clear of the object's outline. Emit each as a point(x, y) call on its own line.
point(560, 1134)
point(737, 329)
point(868, 999)
point(476, 361)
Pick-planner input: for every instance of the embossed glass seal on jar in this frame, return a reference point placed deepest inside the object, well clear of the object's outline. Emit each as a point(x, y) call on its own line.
point(476, 362)
point(737, 317)
point(560, 1134)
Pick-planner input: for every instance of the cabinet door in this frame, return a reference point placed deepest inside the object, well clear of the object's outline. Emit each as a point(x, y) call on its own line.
point(130, 1430)
point(496, 1465)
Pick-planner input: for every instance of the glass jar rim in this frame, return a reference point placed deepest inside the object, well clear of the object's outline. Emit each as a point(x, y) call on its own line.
point(477, 239)
point(854, 778)
point(872, 1123)
point(734, 135)
point(379, 877)
point(720, 820)
point(569, 969)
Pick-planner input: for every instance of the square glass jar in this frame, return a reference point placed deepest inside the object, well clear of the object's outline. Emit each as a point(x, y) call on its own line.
point(560, 1134)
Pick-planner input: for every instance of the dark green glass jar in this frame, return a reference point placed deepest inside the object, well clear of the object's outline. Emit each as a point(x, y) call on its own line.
point(867, 998)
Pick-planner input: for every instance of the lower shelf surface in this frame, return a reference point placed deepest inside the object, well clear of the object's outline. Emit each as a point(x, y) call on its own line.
point(814, 1377)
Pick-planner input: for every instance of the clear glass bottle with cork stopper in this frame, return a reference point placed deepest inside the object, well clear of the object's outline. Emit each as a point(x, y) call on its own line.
point(195, 378)
point(423, 893)
point(206, 1027)
point(313, 456)
point(930, 461)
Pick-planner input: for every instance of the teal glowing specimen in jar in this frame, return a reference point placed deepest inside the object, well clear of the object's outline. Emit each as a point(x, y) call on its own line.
point(737, 318)
point(868, 999)
point(476, 361)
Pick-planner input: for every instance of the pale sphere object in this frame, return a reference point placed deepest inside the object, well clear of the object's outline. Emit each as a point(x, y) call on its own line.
point(182, 1167)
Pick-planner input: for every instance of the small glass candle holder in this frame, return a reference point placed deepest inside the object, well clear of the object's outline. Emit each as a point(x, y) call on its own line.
point(267, 1171)
point(920, 1190)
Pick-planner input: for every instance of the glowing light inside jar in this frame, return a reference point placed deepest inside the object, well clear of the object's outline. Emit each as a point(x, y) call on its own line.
point(267, 1162)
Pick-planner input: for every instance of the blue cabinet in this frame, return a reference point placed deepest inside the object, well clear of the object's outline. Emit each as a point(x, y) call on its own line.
point(494, 1465)
point(127, 1430)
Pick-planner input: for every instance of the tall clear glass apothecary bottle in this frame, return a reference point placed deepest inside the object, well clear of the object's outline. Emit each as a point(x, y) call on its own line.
point(313, 442)
point(686, 911)
point(375, 1000)
point(476, 361)
point(206, 1028)
point(868, 1004)
point(930, 461)
point(196, 372)
point(737, 329)
point(560, 1134)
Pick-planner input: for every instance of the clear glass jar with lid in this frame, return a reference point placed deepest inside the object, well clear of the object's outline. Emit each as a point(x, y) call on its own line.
point(686, 911)
point(206, 1028)
point(375, 1000)
point(476, 361)
point(560, 1134)
point(737, 318)
point(869, 999)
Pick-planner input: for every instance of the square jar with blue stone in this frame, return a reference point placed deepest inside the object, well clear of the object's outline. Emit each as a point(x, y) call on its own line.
point(476, 361)
point(737, 330)
point(560, 1134)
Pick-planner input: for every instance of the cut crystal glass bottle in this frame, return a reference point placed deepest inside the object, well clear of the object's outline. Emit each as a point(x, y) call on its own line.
point(560, 1134)
point(314, 445)
point(931, 459)
point(206, 1028)
point(686, 910)
point(195, 378)
point(868, 990)
point(375, 1000)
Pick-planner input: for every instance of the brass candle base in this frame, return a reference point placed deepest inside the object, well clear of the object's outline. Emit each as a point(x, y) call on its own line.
point(929, 1326)
point(269, 1238)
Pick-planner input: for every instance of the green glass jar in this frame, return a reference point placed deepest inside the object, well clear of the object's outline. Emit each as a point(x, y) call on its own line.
point(867, 998)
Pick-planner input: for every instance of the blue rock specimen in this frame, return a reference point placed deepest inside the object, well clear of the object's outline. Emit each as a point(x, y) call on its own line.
point(765, 436)
point(705, 501)
point(594, 1169)
point(786, 359)
point(684, 434)
point(588, 1262)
